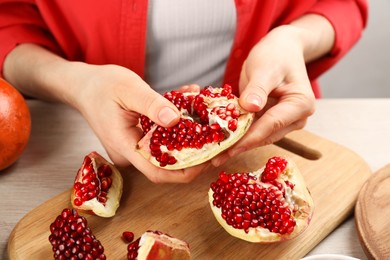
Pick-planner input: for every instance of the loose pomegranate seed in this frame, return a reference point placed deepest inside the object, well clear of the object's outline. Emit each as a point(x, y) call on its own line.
point(246, 203)
point(71, 238)
point(128, 236)
point(195, 132)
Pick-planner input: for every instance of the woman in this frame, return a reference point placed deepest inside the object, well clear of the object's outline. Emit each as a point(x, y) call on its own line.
point(109, 61)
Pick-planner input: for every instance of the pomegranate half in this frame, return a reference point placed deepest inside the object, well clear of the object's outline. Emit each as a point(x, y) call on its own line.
point(269, 205)
point(97, 187)
point(156, 245)
point(211, 121)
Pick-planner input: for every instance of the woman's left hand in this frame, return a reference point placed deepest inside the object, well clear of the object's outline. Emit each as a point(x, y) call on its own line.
point(275, 86)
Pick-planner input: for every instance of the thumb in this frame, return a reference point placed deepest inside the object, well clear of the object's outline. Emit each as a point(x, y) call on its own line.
point(144, 100)
point(254, 86)
point(254, 94)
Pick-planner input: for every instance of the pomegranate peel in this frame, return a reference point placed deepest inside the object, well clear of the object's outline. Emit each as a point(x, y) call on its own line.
point(269, 205)
point(97, 187)
point(211, 121)
point(15, 124)
point(153, 245)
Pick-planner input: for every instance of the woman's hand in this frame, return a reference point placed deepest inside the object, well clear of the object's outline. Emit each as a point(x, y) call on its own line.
point(274, 83)
point(110, 97)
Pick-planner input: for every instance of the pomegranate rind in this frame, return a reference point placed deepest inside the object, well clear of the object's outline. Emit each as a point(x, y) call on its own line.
point(191, 156)
point(114, 194)
point(161, 246)
point(299, 196)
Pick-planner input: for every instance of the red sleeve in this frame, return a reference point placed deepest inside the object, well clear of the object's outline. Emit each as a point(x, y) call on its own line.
point(348, 29)
point(20, 22)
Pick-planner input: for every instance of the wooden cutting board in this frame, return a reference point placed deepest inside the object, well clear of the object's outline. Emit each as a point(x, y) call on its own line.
point(333, 174)
point(372, 215)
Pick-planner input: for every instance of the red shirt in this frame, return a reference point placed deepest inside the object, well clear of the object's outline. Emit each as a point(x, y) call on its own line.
point(99, 32)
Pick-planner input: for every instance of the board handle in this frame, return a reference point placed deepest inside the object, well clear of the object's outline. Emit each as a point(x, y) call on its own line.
point(298, 149)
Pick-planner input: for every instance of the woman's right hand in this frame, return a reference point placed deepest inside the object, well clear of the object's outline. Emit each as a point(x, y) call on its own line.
point(110, 97)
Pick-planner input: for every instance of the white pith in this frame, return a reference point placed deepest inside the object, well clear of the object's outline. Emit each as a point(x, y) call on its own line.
point(191, 156)
point(299, 198)
point(113, 196)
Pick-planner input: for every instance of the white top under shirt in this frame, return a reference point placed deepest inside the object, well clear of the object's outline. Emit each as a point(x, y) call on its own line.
point(188, 41)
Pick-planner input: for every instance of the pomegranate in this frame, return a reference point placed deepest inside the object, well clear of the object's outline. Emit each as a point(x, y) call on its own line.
point(268, 205)
point(156, 245)
point(211, 121)
point(71, 238)
point(97, 187)
point(15, 124)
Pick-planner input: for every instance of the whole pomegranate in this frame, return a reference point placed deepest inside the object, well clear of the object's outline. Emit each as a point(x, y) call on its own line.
point(97, 187)
point(71, 238)
point(15, 124)
point(265, 206)
point(156, 245)
point(211, 121)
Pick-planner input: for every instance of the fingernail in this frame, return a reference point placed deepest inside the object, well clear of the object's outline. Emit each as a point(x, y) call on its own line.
point(254, 100)
point(167, 115)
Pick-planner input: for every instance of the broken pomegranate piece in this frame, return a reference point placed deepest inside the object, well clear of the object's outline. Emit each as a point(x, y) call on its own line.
point(97, 187)
point(265, 206)
point(156, 245)
point(71, 238)
point(211, 121)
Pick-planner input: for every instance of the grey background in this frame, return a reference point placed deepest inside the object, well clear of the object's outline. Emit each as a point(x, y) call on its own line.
point(365, 71)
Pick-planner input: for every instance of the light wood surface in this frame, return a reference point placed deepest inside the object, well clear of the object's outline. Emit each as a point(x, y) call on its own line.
point(60, 137)
point(372, 215)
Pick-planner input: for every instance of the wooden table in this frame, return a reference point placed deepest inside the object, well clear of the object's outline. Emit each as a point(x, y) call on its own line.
point(60, 138)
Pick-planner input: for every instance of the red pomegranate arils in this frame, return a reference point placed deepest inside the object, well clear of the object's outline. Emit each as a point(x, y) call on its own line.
point(132, 250)
point(245, 204)
point(89, 187)
point(97, 186)
point(274, 166)
point(71, 238)
point(268, 205)
point(208, 117)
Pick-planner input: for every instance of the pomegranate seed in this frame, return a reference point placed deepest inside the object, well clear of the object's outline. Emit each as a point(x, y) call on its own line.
point(215, 127)
point(128, 236)
point(232, 124)
point(236, 113)
point(230, 107)
point(105, 183)
point(77, 202)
